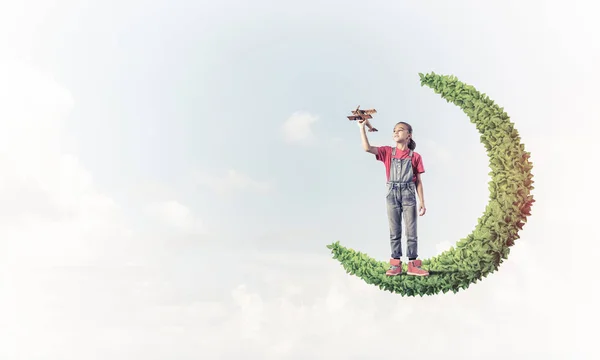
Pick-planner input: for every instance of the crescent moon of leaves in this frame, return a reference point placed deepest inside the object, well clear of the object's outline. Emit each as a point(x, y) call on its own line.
point(481, 252)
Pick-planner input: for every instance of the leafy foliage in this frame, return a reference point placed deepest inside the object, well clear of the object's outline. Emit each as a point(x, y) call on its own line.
point(480, 253)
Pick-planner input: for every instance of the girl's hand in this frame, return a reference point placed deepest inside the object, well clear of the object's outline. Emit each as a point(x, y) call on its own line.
point(422, 210)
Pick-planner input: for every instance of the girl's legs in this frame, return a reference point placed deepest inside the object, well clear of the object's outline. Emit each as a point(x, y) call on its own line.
point(410, 220)
point(394, 213)
point(409, 209)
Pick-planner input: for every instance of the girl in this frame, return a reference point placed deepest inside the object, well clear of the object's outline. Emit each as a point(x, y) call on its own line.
point(403, 169)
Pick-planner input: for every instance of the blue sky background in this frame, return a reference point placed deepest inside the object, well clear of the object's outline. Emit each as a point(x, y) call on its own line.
point(172, 172)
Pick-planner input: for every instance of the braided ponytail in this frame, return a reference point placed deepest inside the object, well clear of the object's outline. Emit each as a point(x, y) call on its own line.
point(412, 144)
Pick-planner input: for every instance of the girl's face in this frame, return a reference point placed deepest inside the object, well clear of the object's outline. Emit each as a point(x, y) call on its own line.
point(401, 133)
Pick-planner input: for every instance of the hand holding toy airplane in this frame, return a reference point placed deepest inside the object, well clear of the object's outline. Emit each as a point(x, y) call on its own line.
point(363, 115)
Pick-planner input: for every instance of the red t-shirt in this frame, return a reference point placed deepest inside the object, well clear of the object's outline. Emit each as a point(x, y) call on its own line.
point(384, 154)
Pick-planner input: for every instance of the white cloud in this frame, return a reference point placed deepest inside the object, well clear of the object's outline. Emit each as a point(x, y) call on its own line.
point(232, 181)
point(297, 128)
point(50, 210)
point(175, 215)
point(308, 300)
point(152, 189)
point(65, 248)
point(54, 224)
point(342, 317)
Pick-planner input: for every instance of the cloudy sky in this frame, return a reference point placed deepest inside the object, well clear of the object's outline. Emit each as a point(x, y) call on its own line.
point(172, 171)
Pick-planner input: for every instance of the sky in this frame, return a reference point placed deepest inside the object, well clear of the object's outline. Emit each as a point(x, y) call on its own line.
point(172, 171)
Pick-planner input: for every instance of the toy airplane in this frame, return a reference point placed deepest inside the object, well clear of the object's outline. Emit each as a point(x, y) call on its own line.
point(363, 115)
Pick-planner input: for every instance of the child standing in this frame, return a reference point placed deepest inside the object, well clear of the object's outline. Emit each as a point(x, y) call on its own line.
point(403, 169)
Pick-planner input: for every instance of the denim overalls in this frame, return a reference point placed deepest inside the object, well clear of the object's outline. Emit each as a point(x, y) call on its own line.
point(401, 202)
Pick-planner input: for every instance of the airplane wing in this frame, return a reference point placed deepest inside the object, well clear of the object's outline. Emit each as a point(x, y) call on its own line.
point(359, 117)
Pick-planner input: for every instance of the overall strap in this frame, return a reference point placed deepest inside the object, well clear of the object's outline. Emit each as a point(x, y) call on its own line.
point(410, 154)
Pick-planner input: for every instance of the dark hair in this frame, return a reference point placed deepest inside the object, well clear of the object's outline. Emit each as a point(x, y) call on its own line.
point(411, 144)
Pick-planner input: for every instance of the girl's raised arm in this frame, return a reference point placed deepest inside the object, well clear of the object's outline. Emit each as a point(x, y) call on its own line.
point(365, 142)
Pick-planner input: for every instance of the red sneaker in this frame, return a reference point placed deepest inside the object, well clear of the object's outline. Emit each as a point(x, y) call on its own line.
point(395, 268)
point(414, 268)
